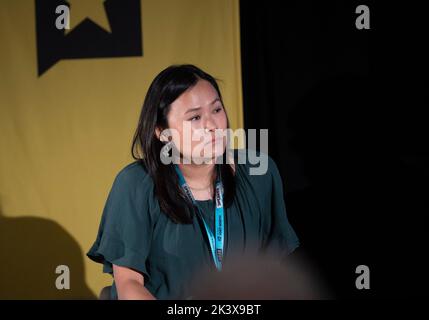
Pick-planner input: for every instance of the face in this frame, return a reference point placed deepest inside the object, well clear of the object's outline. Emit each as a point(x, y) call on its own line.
point(197, 109)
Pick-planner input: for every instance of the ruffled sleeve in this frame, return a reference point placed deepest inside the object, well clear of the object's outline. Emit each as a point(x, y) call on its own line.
point(125, 231)
point(280, 234)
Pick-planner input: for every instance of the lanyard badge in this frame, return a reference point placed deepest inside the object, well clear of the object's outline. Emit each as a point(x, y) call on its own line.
point(216, 242)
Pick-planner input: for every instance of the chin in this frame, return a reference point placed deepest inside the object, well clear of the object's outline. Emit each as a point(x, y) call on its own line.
point(216, 153)
point(209, 157)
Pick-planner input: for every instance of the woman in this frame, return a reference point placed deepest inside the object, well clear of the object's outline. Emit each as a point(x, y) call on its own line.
point(158, 228)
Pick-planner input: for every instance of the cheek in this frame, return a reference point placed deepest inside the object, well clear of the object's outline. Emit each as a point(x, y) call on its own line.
point(222, 121)
point(183, 139)
point(176, 139)
point(196, 137)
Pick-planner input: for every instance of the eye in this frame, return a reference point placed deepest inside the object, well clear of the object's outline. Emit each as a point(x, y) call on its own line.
point(218, 109)
point(192, 119)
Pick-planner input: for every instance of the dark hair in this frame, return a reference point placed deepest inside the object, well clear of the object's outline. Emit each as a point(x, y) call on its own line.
point(167, 86)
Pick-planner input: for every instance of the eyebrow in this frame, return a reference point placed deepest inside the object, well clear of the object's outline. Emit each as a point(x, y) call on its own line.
point(198, 108)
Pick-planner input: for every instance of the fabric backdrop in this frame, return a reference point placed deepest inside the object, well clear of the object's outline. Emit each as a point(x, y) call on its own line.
point(69, 104)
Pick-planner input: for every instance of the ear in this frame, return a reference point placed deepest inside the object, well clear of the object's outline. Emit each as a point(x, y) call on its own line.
point(162, 138)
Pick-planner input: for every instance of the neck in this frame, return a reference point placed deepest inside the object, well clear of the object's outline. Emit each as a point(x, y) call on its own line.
point(202, 174)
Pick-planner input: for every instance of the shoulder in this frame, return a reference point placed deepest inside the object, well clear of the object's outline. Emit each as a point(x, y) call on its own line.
point(133, 174)
point(255, 163)
point(133, 179)
point(258, 177)
point(133, 188)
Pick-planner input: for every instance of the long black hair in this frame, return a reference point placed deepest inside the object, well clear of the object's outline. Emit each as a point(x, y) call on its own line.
point(167, 86)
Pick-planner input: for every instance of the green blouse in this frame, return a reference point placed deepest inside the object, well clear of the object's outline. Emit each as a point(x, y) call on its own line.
point(135, 233)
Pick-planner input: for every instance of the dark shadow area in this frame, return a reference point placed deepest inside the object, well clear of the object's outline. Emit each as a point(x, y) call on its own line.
point(338, 226)
point(31, 249)
point(364, 205)
point(347, 128)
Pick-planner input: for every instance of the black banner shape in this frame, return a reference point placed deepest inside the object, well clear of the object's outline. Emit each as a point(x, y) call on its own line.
point(88, 40)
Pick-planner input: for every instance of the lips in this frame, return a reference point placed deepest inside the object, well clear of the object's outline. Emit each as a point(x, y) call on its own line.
point(214, 140)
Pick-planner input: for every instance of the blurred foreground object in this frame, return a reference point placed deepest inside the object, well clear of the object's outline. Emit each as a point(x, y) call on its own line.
point(260, 276)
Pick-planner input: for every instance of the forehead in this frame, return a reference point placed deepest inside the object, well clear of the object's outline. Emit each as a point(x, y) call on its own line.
point(201, 94)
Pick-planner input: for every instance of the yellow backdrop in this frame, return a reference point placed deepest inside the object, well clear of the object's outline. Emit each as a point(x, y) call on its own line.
point(66, 133)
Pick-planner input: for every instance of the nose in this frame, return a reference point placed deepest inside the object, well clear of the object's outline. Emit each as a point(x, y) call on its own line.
point(209, 125)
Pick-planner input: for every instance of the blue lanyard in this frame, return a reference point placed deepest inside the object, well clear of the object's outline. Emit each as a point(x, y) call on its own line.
point(216, 244)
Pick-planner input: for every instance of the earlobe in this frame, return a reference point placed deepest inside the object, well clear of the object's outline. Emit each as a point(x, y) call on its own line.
point(159, 136)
